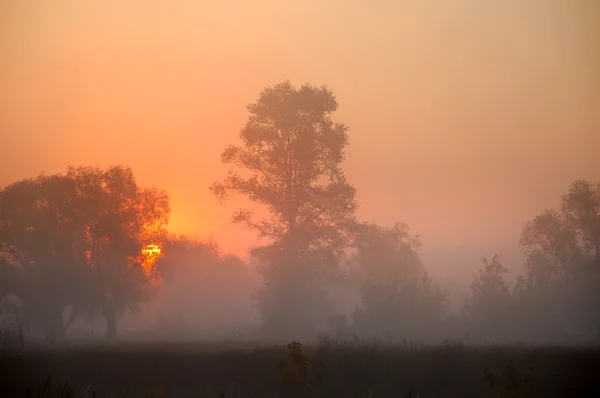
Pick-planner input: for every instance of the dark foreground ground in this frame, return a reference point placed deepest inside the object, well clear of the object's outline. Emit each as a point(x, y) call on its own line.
point(334, 370)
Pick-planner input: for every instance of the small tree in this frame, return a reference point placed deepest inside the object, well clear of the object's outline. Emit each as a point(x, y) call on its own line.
point(490, 298)
point(290, 158)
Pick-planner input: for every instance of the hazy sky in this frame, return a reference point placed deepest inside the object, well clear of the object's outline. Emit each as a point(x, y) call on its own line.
point(467, 117)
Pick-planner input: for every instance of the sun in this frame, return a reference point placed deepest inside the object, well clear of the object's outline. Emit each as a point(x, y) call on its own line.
point(150, 253)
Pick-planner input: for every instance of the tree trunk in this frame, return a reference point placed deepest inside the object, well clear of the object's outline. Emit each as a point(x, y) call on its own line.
point(109, 311)
point(54, 326)
point(111, 325)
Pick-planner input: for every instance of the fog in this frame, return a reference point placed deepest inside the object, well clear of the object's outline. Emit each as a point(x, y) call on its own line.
point(465, 120)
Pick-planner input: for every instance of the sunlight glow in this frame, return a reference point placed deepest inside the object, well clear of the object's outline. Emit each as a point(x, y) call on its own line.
point(150, 253)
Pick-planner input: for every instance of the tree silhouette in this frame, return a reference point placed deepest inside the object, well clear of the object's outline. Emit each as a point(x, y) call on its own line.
point(291, 153)
point(42, 238)
point(489, 291)
point(396, 292)
point(125, 219)
point(75, 242)
point(563, 254)
point(181, 252)
point(202, 286)
point(490, 301)
point(6, 278)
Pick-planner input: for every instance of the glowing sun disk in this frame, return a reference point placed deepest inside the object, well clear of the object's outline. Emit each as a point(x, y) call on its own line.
point(150, 254)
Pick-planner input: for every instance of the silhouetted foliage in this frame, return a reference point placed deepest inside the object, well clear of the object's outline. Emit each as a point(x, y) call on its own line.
point(563, 263)
point(490, 300)
point(203, 288)
point(490, 294)
point(126, 218)
point(44, 240)
point(6, 278)
point(75, 241)
point(397, 295)
point(183, 253)
point(291, 153)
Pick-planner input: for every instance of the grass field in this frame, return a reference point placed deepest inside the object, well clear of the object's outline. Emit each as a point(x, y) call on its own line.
point(329, 369)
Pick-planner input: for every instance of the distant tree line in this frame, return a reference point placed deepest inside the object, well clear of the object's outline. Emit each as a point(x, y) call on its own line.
point(71, 243)
point(291, 152)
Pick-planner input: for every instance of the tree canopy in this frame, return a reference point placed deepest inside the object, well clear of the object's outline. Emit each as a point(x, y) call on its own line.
point(75, 241)
point(291, 153)
point(490, 295)
point(563, 256)
point(396, 292)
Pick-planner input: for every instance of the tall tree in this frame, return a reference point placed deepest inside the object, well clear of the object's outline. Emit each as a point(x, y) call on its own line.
point(290, 157)
point(125, 218)
point(581, 210)
point(563, 249)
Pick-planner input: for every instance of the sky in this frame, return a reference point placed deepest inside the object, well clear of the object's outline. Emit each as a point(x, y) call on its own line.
point(466, 117)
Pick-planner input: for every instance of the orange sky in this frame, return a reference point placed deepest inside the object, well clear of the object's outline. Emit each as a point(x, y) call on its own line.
point(466, 117)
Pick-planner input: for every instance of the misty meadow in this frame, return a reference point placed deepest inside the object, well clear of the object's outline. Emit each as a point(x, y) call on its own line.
point(312, 199)
point(90, 246)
